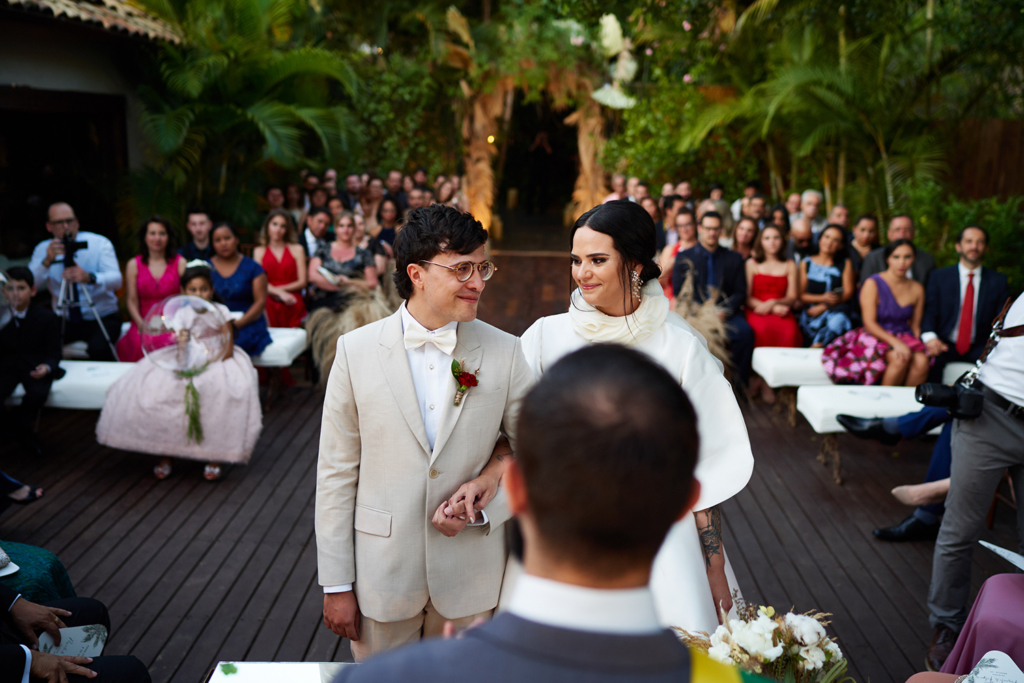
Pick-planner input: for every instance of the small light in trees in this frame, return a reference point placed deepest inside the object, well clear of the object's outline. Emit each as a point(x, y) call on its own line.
point(490, 139)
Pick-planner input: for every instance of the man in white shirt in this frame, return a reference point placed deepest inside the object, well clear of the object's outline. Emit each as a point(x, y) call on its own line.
point(983, 449)
point(95, 272)
point(414, 409)
point(810, 209)
point(601, 425)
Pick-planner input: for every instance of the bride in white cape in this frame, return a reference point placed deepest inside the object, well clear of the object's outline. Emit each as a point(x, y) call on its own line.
point(619, 300)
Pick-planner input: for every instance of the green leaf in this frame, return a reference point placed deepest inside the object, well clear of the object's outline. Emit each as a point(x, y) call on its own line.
point(456, 368)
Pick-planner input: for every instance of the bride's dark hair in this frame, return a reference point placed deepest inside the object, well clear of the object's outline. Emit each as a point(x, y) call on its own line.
point(633, 233)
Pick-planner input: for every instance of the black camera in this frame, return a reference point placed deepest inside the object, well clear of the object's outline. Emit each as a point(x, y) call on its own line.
point(70, 247)
point(962, 402)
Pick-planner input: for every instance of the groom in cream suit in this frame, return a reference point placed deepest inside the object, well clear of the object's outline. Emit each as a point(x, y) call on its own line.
point(395, 447)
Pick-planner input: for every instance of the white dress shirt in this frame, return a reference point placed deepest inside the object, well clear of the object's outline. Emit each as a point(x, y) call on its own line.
point(311, 241)
point(964, 272)
point(1003, 370)
point(431, 373)
point(562, 605)
point(97, 258)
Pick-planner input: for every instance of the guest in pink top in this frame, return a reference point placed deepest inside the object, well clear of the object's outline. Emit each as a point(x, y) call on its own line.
point(150, 277)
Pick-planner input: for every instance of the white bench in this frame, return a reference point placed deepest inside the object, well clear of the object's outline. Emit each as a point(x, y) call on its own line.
point(287, 344)
point(84, 387)
point(821, 405)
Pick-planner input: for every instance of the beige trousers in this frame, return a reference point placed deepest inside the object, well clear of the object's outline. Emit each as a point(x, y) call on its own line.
point(378, 636)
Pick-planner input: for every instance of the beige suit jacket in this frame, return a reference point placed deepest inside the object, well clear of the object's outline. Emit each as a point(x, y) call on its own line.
point(379, 483)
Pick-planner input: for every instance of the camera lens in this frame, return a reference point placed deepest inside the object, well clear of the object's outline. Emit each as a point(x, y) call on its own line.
point(936, 395)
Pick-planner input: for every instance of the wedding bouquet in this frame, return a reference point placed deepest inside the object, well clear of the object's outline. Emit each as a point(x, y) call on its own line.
point(791, 648)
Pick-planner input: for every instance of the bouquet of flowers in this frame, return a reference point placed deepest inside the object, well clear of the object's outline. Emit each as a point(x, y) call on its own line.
point(790, 648)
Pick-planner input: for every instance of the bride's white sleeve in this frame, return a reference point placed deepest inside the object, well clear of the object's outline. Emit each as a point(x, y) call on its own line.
point(725, 461)
point(532, 343)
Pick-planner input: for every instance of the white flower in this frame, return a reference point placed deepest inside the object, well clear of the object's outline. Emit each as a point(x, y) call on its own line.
point(814, 658)
point(613, 97)
point(806, 630)
point(833, 648)
point(755, 637)
point(721, 646)
point(611, 35)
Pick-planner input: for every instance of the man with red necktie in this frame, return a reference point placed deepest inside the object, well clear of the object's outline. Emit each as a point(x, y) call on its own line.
point(960, 304)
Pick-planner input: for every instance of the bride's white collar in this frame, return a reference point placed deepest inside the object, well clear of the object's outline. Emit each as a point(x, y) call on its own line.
point(597, 327)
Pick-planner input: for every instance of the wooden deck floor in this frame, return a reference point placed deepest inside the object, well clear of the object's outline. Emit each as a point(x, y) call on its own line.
point(195, 572)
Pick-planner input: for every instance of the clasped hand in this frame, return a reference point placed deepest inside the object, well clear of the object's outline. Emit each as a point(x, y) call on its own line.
point(461, 509)
point(76, 274)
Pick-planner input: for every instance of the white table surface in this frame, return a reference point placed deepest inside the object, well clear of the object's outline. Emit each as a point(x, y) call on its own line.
point(278, 672)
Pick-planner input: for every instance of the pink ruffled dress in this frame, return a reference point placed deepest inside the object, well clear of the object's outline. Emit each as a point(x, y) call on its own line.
point(858, 357)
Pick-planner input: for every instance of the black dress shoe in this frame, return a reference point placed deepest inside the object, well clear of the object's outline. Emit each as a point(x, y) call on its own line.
point(868, 428)
point(940, 648)
point(910, 529)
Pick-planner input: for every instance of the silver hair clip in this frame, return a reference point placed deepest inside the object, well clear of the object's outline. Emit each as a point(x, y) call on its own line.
point(197, 263)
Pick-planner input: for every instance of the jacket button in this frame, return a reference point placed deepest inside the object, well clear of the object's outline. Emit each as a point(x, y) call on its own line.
point(433, 474)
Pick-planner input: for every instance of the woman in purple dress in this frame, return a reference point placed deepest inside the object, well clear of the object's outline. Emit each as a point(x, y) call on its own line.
point(889, 346)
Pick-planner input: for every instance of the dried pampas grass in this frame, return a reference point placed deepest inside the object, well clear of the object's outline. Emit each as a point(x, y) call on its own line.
point(325, 326)
point(706, 318)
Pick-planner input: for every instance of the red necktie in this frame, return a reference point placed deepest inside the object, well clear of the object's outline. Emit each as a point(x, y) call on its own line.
point(963, 335)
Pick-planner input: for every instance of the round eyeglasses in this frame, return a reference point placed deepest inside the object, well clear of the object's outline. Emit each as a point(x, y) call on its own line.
point(463, 271)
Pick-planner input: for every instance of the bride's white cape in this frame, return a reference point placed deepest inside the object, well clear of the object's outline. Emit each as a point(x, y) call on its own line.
point(725, 462)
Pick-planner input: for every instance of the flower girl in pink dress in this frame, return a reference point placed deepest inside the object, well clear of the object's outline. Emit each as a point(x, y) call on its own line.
point(145, 410)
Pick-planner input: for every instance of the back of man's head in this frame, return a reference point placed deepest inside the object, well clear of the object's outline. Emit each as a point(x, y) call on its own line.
point(607, 447)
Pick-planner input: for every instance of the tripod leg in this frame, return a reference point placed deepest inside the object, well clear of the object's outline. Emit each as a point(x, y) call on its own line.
point(99, 321)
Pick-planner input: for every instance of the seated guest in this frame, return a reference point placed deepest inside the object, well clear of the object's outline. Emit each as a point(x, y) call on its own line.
point(199, 224)
point(370, 200)
point(317, 231)
point(756, 209)
point(889, 346)
point(95, 272)
point(779, 217)
point(810, 208)
point(242, 284)
point(350, 265)
point(335, 205)
point(380, 249)
point(801, 241)
point(772, 290)
point(750, 191)
point(716, 191)
point(865, 240)
point(230, 418)
point(719, 273)
point(151, 277)
point(583, 609)
point(901, 227)
point(826, 285)
point(793, 203)
point(840, 216)
point(671, 206)
point(961, 303)
point(24, 621)
point(395, 191)
point(386, 226)
point(318, 198)
point(294, 201)
point(651, 206)
point(744, 236)
point(686, 237)
point(29, 355)
point(284, 262)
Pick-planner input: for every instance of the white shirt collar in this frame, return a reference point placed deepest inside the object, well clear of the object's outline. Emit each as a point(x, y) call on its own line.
point(964, 270)
point(562, 605)
point(407, 320)
point(20, 314)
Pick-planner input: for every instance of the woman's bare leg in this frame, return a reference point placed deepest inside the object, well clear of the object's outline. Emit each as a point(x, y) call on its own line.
point(895, 370)
point(918, 372)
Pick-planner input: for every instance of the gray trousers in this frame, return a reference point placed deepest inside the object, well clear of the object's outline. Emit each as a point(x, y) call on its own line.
point(982, 449)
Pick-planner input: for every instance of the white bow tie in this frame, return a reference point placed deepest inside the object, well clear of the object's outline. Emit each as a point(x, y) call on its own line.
point(416, 336)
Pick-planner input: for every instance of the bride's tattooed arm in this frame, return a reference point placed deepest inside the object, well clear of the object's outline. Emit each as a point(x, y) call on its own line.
point(709, 526)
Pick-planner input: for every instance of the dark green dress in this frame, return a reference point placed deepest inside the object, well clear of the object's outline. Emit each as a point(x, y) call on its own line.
point(40, 577)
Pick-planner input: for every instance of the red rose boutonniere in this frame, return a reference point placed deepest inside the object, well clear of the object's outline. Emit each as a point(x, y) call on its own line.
point(465, 380)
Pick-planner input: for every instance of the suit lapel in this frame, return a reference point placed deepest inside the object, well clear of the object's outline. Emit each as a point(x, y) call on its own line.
point(395, 363)
point(469, 352)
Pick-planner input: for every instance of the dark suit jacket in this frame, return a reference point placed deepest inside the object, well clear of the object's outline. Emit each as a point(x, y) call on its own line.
point(942, 302)
point(12, 657)
point(510, 649)
point(24, 344)
point(730, 276)
point(924, 264)
point(328, 238)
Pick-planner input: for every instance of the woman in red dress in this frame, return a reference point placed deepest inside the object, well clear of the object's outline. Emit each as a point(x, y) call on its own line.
point(771, 287)
point(283, 259)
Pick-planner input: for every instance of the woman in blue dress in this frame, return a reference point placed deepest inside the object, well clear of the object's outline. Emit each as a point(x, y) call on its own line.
point(826, 285)
point(242, 284)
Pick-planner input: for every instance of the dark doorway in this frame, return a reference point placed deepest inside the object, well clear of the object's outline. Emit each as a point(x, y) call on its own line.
point(540, 168)
point(57, 146)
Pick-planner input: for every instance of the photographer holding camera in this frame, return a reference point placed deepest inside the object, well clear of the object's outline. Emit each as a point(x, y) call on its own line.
point(94, 274)
point(983, 448)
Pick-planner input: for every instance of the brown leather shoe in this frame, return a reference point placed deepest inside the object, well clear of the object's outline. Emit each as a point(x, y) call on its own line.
point(942, 644)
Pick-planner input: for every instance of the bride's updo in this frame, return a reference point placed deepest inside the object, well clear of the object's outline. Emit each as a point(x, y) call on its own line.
point(632, 231)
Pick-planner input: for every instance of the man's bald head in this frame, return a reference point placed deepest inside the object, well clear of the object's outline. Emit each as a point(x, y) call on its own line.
point(800, 232)
point(901, 227)
point(60, 218)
